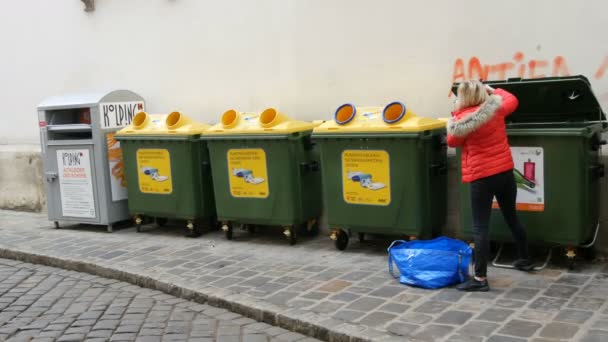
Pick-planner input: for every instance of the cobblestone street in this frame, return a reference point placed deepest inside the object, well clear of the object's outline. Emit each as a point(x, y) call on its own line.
point(41, 303)
point(310, 288)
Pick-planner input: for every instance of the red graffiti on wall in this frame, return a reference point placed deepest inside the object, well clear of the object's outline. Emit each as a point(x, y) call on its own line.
point(517, 67)
point(601, 70)
point(599, 74)
point(520, 67)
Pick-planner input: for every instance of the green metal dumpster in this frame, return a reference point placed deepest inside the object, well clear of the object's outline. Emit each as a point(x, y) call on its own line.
point(168, 172)
point(265, 173)
point(555, 138)
point(384, 172)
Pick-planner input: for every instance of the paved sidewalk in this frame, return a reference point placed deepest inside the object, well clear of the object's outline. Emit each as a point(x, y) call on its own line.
point(45, 304)
point(316, 290)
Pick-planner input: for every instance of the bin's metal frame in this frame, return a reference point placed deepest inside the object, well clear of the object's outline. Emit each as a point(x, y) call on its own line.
point(495, 262)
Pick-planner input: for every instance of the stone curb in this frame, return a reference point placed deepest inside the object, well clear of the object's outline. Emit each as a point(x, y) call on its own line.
point(296, 320)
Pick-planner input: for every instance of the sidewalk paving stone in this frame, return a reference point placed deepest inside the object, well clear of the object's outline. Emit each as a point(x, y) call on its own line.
point(310, 288)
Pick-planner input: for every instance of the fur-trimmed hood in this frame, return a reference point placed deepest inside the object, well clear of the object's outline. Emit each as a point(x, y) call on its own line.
point(469, 123)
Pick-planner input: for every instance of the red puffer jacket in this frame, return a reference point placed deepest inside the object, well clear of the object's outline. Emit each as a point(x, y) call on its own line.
point(481, 132)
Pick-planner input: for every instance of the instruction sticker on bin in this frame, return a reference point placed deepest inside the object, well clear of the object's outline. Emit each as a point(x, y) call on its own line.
point(366, 177)
point(530, 178)
point(154, 171)
point(76, 183)
point(248, 173)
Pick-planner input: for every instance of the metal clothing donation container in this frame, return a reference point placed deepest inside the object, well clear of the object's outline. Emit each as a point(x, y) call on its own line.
point(83, 166)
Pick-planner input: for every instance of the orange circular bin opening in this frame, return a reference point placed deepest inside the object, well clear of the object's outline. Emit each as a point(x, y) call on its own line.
point(268, 116)
point(229, 118)
point(393, 112)
point(173, 119)
point(345, 113)
point(140, 119)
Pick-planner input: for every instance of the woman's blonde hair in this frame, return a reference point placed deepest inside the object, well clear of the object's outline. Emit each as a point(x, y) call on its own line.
point(471, 93)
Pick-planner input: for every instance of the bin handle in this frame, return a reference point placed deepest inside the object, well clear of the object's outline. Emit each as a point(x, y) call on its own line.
point(439, 169)
point(312, 166)
point(50, 176)
point(443, 141)
point(597, 143)
point(597, 171)
point(309, 143)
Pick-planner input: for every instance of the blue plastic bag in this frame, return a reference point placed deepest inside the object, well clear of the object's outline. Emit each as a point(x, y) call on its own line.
point(430, 264)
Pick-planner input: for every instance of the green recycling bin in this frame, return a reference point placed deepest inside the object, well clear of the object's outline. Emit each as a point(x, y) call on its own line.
point(265, 173)
point(384, 172)
point(168, 172)
point(555, 138)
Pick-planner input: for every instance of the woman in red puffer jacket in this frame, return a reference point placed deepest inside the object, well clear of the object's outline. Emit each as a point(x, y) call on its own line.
point(478, 127)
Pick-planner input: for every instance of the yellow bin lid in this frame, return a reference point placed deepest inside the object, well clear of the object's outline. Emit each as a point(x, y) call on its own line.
point(175, 123)
point(270, 121)
point(394, 117)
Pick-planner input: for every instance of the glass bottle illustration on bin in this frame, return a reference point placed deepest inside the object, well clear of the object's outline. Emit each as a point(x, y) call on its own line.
point(247, 176)
point(153, 173)
point(529, 170)
point(365, 179)
point(527, 180)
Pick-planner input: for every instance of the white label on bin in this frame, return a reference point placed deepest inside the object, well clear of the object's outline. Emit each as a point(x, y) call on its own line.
point(76, 183)
point(529, 175)
point(118, 114)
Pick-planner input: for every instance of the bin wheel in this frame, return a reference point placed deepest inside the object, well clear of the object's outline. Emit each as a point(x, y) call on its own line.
point(571, 264)
point(228, 232)
point(361, 237)
point(290, 234)
point(215, 224)
point(138, 222)
point(245, 227)
point(341, 240)
point(571, 254)
point(57, 225)
point(161, 221)
point(194, 228)
point(312, 227)
point(110, 228)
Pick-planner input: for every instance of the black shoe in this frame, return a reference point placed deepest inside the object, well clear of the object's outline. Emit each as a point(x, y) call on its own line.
point(524, 265)
point(474, 285)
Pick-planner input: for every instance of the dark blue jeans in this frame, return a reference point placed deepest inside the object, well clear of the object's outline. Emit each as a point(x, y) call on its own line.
point(483, 190)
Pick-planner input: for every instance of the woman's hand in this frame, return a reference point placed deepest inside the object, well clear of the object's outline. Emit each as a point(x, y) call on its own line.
point(489, 89)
